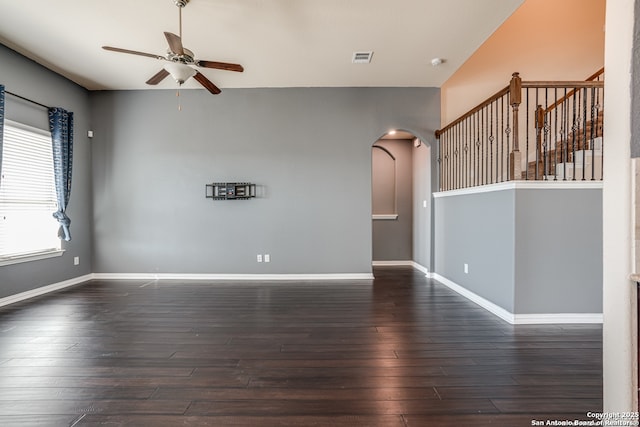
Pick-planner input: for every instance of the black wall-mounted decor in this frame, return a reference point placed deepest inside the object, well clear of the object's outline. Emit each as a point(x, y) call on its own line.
point(230, 190)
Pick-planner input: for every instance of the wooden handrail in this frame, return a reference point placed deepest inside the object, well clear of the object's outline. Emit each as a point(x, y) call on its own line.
point(595, 75)
point(475, 109)
point(575, 86)
point(578, 84)
point(560, 84)
point(483, 145)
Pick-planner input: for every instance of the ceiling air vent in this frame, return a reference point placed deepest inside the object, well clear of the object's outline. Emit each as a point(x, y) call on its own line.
point(362, 57)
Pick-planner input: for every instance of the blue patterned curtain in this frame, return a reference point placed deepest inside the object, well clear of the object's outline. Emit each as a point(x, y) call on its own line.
point(1, 125)
point(61, 127)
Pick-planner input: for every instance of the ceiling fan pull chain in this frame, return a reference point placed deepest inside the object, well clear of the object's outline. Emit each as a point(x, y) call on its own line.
point(178, 97)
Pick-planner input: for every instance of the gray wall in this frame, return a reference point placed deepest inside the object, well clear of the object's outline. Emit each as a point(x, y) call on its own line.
point(393, 239)
point(529, 251)
point(558, 251)
point(479, 230)
point(309, 150)
point(422, 190)
point(28, 79)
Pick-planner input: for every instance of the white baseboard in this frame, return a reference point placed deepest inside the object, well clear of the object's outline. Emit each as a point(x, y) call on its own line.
point(556, 318)
point(265, 277)
point(519, 319)
point(484, 303)
point(413, 264)
point(422, 268)
point(392, 263)
point(12, 299)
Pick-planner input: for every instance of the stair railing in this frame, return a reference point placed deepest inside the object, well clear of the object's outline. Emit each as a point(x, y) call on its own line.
point(526, 131)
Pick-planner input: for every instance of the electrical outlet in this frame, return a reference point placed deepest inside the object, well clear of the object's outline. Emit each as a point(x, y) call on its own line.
point(76, 260)
point(466, 268)
point(259, 258)
point(267, 258)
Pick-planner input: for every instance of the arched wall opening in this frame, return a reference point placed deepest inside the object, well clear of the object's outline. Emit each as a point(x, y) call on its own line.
point(401, 179)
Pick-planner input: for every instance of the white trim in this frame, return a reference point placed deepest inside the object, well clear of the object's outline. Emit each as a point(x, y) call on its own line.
point(384, 216)
point(392, 263)
point(519, 319)
point(523, 185)
point(553, 318)
point(12, 299)
point(31, 257)
point(484, 303)
point(422, 268)
point(413, 264)
point(266, 277)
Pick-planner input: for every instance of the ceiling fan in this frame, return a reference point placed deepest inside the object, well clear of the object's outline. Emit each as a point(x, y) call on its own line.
point(180, 60)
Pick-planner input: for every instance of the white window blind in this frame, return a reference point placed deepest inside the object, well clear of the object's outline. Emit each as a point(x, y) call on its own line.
point(27, 193)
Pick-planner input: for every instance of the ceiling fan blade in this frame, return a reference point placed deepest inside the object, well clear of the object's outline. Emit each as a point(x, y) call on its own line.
point(220, 65)
point(132, 52)
point(175, 43)
point(206, 83)
point(158, 77)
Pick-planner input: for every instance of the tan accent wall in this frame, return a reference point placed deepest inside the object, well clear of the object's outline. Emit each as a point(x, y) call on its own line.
point(542, 40)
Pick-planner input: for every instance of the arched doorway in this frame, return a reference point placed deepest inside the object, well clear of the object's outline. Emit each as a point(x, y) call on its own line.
point(401, 200)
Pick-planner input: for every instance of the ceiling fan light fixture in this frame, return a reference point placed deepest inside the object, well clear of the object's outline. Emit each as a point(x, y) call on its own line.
point(180, 72)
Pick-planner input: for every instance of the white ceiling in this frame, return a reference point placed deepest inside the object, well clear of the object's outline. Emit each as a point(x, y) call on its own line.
point(280, 43)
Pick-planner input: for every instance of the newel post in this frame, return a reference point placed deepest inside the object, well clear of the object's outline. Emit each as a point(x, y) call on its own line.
point(515, 164)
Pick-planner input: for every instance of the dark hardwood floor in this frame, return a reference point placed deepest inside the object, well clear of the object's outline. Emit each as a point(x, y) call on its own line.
point(398, 351)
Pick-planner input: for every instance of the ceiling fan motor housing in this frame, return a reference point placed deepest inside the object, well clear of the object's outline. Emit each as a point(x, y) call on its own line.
point(181, 3)
point(186, 58)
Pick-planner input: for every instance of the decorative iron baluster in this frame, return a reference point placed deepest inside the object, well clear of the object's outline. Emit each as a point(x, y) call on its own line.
point(527, 125)
point(491, 142)
point(593, 144)
point(507, 131)
point(484, 157)
point(583, 99)
point(501, 136)
point(574, 132)
point(555, 143)
point(545, 140)
point(565, 140)
point(478, 158)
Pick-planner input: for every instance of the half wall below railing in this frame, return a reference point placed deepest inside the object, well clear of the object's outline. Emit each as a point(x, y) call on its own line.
point(527, 131)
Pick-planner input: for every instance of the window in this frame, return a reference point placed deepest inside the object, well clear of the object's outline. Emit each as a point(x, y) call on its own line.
point(27, 195)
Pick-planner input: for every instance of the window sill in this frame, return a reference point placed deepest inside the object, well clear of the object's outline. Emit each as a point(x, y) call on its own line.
point(388, 217)
point(30, 257)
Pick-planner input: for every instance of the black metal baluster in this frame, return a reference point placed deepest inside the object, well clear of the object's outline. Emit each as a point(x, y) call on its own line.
point(445, 160)
point(507, 131)
point(501, 136)
point(593, 145)
point(601, 134)
point(583, 100)
point(565, 139)
point(545, 126)
point(466, 154)
point(484, 157)
point(491, 177)
point(476, 138)
point(574, 130)
point(454, 166)
point(555, 133)
point(443, 163)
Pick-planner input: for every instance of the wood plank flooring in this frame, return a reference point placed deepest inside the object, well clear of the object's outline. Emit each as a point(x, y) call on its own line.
point(400, 350)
